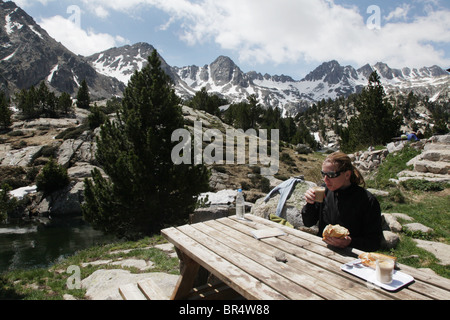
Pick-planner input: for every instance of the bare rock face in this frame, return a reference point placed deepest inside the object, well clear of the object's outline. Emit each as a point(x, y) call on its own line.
point(433, 164)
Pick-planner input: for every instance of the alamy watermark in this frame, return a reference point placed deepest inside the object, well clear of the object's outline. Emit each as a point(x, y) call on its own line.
point(230, 150)
point(374, 21)
point(74, 281)
point(75, 12)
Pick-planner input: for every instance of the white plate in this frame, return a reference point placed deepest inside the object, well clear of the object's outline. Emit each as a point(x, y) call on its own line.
point(400, 279)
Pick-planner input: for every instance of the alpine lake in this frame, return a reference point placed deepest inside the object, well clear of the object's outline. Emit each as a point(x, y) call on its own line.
point(26, 245)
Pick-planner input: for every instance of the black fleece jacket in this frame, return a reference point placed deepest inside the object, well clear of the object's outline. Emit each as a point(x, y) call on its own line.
point(354, 208)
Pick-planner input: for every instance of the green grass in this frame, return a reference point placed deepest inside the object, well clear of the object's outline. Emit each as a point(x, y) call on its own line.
point(51, 284)
point(431, 211)
point(426, 202)
point(393, 164)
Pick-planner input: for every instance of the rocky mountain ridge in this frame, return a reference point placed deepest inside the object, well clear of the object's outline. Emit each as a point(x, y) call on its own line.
point(29, 56)
point(328, 81)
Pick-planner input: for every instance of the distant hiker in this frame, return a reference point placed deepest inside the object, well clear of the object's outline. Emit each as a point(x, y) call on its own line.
point(412, 137)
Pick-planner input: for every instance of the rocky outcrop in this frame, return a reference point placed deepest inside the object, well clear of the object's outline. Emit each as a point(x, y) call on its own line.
point(292, 209)
point(368, 161)
point(433, 164)
point(29, 56)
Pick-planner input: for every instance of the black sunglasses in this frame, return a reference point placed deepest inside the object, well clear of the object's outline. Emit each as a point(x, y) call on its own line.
point(331, 174)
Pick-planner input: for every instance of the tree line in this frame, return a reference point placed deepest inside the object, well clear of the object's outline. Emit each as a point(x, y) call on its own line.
point(249, 114)
point(38, 102)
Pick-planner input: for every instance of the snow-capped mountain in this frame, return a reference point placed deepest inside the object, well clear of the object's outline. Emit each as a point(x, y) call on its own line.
point(121, 63)
point(223, 77)
point(28, 56)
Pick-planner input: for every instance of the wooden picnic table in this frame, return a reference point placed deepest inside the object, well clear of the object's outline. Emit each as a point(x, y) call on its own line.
point(295, 266)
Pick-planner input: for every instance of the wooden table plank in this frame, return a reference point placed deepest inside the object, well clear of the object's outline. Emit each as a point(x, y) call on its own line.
point(249, 287)
point(324, 258)
point(432, 284)
point(295, 269)
point(434, 280)
point(259, 271)
point(426, 285)
point(252, 248)
point(326, 270)
point(312, 269)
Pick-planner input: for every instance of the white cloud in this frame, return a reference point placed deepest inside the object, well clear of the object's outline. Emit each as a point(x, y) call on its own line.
point(78, 40)
point(289, 31)
point(28, 3)
point(101, 12)
point(399, 13)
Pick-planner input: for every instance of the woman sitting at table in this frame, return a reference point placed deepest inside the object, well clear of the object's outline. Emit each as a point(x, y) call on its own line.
point(346, 203)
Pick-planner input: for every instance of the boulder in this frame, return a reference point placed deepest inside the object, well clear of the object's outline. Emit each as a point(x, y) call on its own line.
point(396, 146)
point(433, 164)
point(440, 250)
point(82, 170)
point(292, 209)
point(303, 149)
point(65, 202)
point(218, 205)
point(218, 180)
point(389, 240)
point(413, 227)
point(81, 149)
point(21, 158)
point(104, 284)
point(67, 151)
point(402, 216)
point(390, 223)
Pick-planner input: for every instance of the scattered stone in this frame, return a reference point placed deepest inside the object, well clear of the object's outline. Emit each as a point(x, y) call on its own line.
point(142, 265)
point(402, 216)
point(413, 227)
point(139, 264)
point(95, 263)
point(440, 250)
point(280, 257)
point(378, 193)
point(389, 222)
point(389, 240)
point(104, 284)
point(167, 247)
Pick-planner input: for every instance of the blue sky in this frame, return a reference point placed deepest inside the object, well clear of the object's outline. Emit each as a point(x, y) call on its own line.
point(290, 37)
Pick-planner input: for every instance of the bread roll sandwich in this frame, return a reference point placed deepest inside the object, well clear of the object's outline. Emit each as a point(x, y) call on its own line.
point(369, 258)
point(335, 231)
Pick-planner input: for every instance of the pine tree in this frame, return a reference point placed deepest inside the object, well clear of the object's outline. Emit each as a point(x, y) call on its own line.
point(144, 190)
point(64, 103)
point(83, 98)
point(46, 101)
point(27, 102)
point(376, 122)
point(52, 178)
point(5, 112)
